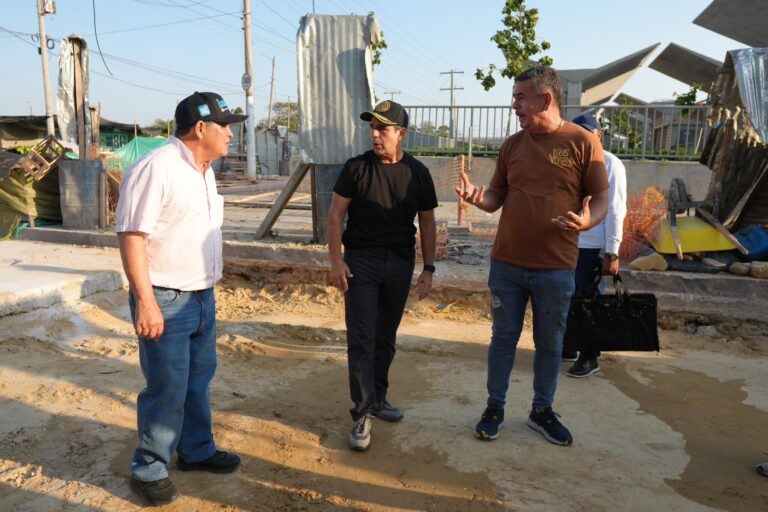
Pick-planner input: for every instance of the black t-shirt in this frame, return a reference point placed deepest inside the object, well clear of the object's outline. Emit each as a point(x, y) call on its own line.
point(385, 200)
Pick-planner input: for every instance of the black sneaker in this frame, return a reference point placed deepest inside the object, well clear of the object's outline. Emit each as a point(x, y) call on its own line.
point(386, 411)
point(219, 462)
point(546, 423)
point(583, 367)
point(157, 492)
point(360, 435)
point(569, 356)
point(762, 468)
point(490, 423)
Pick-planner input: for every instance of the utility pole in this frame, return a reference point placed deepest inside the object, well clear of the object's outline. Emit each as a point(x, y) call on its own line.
point(392, 94)
point(271, 95)
point(247, 83)
point(453, 99)
point(288, 109)
point(42, 9)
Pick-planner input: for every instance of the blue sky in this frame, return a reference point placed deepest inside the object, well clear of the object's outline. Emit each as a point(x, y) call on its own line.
point(158, 51)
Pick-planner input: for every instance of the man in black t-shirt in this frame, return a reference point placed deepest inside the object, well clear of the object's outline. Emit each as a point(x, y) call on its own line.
point(381, 191)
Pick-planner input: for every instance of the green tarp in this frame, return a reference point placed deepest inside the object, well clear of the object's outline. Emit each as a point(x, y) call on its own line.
point(122, 159)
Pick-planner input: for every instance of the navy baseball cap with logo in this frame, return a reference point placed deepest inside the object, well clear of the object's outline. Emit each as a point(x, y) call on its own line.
point(587, 122)
point(388, 112)
point(204, 106)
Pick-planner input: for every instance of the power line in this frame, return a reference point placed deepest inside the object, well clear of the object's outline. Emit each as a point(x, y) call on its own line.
point(145, 27)
point(96, 32)
point(265, 4)
point(155, 2)
point(15, 34)
point(112, 77)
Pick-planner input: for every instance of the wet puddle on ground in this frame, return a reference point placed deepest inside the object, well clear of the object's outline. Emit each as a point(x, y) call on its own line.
point(724, 437)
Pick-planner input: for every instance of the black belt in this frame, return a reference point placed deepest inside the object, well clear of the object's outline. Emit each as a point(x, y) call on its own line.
point(180, 291)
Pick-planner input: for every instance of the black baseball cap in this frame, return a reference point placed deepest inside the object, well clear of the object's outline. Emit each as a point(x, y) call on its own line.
point(204, 106)
point(388, 112)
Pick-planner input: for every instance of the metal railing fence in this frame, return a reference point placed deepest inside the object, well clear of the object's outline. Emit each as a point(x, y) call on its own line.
point(629, 131)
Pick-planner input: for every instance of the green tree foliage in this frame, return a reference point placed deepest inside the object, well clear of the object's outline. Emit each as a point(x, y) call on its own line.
point(620, 127)
point(429, 128)
point(160, 127)
point(377, 47)
point(284, 113)
point(688, 98)
point(517, 43)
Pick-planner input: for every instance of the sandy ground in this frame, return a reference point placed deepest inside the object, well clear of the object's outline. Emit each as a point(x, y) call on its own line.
point(676, 431)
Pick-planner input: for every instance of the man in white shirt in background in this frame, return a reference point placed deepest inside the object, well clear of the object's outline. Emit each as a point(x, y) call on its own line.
point(599, 246)
point(169, 220)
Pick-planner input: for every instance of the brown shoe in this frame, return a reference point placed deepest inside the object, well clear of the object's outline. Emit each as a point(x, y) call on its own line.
point(156, 492)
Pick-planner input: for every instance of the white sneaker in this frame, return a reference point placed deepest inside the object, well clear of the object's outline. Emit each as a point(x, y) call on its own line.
point(360, 435)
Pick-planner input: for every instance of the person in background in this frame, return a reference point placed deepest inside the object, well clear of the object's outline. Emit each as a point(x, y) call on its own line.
point(599, 246)
point(169, 218)
point(550, 184)
point(382, 191)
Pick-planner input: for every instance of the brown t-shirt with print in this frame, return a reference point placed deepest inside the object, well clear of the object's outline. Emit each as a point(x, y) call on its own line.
point(540, 177)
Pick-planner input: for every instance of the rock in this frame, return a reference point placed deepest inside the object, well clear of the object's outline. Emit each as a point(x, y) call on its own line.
point(710, 331)
point(759, 269)
point(652, 261)
point(711, 262)
point(740, 269)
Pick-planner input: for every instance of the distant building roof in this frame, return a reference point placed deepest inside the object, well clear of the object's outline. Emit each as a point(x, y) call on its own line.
point(687, 66)
point(599, 85)
point(742, 20)
point(40, 120)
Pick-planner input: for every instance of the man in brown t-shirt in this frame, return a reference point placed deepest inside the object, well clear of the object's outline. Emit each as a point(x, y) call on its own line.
point(550, 182)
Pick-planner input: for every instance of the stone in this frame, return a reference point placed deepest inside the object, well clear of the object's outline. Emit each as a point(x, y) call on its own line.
point(652, 261)
point(738, 268)
point(759, 269)
point(710, 331)
point(711, 262)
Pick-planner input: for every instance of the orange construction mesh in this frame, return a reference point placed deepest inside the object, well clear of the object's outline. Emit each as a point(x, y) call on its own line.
point(643, 215)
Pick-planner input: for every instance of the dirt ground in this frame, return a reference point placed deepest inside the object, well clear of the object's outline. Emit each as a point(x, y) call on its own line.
point(680, 430)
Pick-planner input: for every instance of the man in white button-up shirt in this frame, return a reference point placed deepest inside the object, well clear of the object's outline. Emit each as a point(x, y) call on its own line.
point(169, 228)
point(599, 246)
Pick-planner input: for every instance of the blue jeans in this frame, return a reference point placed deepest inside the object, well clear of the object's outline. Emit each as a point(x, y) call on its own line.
point(589, 266)
point(550, 293)
point(174, 409)
point(374, 305)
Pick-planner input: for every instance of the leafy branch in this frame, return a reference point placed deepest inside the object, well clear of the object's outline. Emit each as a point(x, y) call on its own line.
point(517, 43)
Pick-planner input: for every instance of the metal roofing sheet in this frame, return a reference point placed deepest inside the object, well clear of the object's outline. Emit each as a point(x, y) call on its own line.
point(335, 81)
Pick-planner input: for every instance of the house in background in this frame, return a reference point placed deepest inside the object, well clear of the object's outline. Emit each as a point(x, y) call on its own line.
point(18, 131)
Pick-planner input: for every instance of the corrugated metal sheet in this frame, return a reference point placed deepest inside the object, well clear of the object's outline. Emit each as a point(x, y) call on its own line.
point(751, 67)
point(335, 81)
point(269, 148)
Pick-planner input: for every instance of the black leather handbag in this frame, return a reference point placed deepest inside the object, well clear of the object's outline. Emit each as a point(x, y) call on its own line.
point(617, 321)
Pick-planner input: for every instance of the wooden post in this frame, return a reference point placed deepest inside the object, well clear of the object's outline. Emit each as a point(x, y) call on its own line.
point(95, 122)
point(80, 101)
point(461, 200)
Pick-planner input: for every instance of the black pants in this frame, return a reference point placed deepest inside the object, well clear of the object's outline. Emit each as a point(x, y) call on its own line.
point(589, 266)
point(374, 305)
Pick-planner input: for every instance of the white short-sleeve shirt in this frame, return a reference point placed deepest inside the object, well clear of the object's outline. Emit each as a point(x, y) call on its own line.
point(165, 196)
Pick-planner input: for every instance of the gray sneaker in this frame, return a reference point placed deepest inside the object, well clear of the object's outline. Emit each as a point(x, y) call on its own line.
point(762, 468)
point(386, 411)
point(360, 435)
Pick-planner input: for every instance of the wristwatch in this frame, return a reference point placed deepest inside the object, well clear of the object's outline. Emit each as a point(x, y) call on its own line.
point(429, 268)
point(612, 256)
